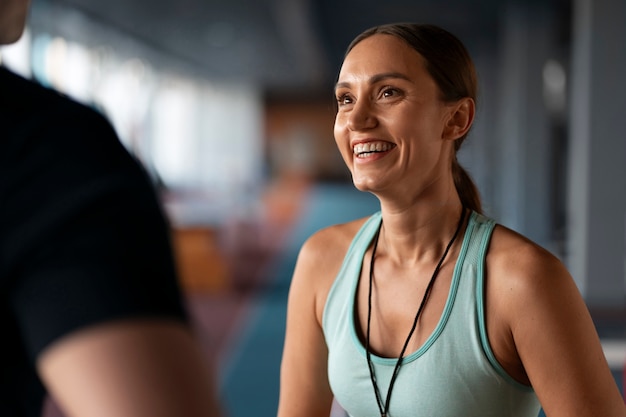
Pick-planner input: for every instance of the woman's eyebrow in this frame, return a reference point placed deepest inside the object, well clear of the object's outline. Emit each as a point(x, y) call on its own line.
point(376, 78)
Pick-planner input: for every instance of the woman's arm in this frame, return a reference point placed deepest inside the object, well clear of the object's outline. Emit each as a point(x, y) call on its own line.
point(553, 334)
point(304, 387)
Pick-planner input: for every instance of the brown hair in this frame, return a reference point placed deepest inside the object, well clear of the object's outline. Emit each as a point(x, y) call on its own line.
point(452, 68)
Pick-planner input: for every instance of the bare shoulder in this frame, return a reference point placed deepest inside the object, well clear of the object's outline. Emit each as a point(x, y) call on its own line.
point(320, 259)
point(526, 281)
point(331, 239)
point(517, 263)
point(327, 247)
point(541, 331)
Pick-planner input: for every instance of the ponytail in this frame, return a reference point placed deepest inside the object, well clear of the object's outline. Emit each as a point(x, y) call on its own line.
point(465, 187)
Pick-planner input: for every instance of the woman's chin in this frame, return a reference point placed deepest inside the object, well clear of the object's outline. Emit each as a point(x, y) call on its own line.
point(364, 184)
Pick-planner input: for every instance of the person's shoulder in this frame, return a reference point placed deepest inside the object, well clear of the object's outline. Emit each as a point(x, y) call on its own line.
point(12, 83)
point(515, 249)
point(521, 265)
point(28, 100)
point(332, 240)
point(320, 260)
point(323, 252)
point(28, 96)
point(40, 122)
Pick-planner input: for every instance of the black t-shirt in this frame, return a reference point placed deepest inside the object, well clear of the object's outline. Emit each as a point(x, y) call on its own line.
point(83, 238)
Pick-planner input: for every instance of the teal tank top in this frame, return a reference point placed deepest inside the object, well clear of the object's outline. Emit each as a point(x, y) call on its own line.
point(453, 374)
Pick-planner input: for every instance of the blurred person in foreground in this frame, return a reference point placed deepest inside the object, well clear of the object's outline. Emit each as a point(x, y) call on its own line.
point(428, 307)
point(91, 311)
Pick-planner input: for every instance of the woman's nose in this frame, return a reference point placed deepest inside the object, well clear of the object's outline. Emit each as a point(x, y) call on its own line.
point(362, 116)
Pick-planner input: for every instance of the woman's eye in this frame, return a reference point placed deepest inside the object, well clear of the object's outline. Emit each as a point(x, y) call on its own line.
point(343, 100)
point(389, 92)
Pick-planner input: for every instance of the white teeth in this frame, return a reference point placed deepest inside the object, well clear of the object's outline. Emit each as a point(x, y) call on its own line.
point(362, 148)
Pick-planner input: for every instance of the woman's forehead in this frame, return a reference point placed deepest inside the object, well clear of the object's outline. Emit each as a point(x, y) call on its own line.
point(382, 53)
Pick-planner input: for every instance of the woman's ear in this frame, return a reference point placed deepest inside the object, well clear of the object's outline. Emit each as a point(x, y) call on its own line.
point(460, 120)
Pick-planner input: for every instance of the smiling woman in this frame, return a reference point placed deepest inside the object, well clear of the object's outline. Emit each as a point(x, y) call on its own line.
point(428, 307)
point(414, 93)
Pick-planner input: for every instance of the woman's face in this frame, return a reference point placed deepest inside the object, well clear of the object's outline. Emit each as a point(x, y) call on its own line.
point(390, 123)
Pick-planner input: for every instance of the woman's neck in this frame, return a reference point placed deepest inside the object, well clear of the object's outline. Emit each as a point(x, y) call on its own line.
point(419, 233)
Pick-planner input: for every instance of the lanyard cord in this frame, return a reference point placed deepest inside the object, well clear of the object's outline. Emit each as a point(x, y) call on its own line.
point(385, 409)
